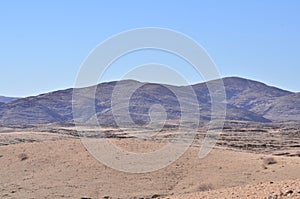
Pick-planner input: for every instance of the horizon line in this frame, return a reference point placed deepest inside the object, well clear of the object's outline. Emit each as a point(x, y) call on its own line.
point(160, 83)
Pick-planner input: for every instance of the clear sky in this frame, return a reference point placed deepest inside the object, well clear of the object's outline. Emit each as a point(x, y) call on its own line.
point(43, 43)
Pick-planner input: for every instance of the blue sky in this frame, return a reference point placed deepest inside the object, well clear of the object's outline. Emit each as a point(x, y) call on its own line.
point(43, 43)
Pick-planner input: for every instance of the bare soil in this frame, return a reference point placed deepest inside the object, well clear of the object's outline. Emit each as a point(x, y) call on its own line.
point(41, 164)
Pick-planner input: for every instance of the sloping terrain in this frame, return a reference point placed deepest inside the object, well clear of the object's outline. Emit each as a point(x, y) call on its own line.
point(246, 100)
point(7, 99)
point(60, 167)
point(284, 108)
point(251, 95)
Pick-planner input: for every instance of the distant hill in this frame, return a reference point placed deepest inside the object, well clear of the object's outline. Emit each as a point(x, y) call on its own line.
point(284, 108)
point(246, 100)
point(7, 99)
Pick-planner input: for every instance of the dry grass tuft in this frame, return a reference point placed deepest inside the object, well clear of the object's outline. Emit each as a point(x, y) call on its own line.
point(269, 160)
point(23, 156)
point(205, 187)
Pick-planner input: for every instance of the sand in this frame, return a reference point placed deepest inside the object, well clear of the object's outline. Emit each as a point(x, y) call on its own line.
point(61, 167)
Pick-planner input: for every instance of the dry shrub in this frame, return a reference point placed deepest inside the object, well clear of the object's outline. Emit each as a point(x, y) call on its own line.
point(264, 166)
point(205, 187)
point(269, 160)
point(23, 156)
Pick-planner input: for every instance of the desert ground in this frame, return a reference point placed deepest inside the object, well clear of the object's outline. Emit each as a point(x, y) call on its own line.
point(249, 161)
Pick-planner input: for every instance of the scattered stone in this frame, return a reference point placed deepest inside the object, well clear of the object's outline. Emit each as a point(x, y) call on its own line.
point(269, 160)
point(264, 166)
point(282, 154)
point(155, 196)
point(288, 192)
point(85, 198)
point(273, 197)
point(297, 154)
point(23, 156)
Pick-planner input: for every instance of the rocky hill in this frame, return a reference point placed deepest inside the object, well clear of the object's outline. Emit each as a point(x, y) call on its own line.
point(246, 100)
point(284, 108)
point(7, 99)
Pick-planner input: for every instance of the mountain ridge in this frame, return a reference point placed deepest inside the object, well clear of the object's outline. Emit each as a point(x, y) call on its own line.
point(4, 99)
point(245, 100)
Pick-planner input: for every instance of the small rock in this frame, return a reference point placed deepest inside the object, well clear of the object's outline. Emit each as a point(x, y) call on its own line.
point(273, 197)
point(288, 192)
point(281, 194)
point(269, 160)
point(23, 156)
point(155, 196)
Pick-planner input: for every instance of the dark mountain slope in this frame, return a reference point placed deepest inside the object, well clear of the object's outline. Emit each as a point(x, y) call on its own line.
point(246, 100)
point(7, 99)
point(251, 95)
point(285, 108)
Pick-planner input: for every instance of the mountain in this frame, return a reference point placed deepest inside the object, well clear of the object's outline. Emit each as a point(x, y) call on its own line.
point(251, 95)
point(7, 99)
point(246, 100)
point(283, 108)
point(42, 109)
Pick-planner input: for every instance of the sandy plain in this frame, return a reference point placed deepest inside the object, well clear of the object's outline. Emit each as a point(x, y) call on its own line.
point(41, 164)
